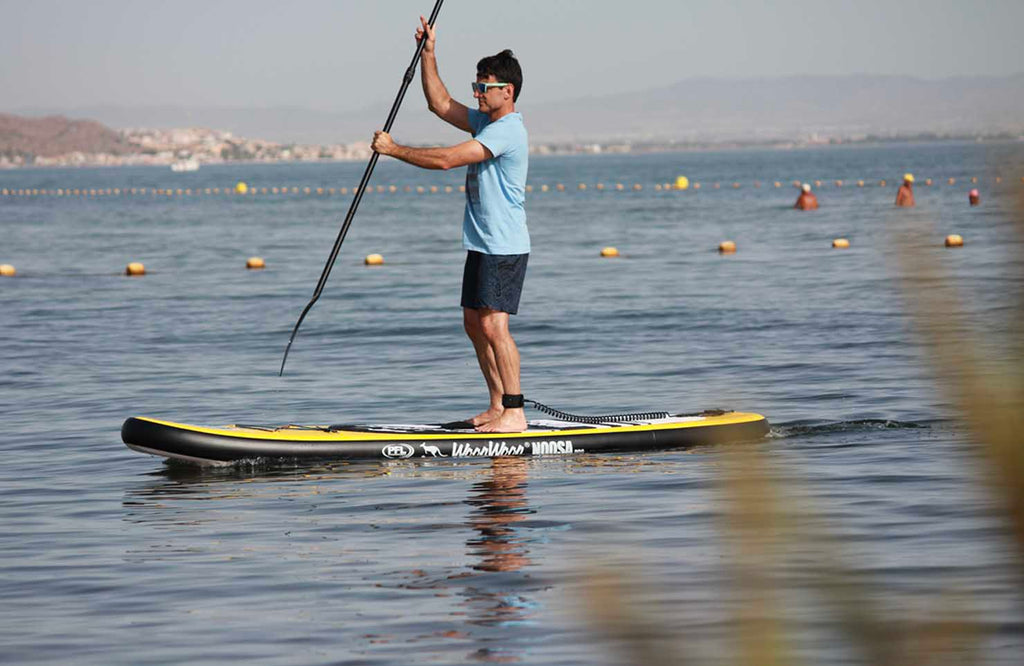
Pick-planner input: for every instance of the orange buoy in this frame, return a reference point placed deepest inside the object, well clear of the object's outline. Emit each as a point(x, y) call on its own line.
point(599, 186)
point(954, 240)
point(581, 186)
point(255, 262)
point(373, 260)
point(727, 247)
point(609, 252)
point(560, 187)
point(840, 243)
point(6, 270)
point(135, 268)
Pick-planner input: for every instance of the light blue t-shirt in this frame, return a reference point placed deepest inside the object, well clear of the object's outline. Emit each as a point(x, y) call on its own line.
point(495, 218)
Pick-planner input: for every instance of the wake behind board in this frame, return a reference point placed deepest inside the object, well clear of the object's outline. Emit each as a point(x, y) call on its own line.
point(224, 445)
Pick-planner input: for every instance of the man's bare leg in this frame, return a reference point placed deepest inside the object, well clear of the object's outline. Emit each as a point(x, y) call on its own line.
point(488, 366)
point(494, 326)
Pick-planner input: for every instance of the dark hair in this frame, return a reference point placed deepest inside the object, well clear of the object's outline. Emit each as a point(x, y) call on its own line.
point(503, 67)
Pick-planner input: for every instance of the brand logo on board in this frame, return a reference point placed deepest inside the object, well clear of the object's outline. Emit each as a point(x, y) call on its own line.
point(398, 451)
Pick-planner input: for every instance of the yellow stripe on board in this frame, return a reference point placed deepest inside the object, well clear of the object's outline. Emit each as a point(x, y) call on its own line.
point(296, 435)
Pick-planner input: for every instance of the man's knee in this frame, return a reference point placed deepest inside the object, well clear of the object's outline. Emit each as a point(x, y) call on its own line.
point(494, 325)
point(471, 323)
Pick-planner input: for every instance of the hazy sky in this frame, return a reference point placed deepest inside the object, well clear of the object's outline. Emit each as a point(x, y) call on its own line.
point(345, 54)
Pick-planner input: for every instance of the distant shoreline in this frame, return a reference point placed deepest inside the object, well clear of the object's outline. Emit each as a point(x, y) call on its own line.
point(562, 150)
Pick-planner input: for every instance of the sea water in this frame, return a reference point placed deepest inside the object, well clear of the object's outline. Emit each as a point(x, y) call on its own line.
point(109, 556)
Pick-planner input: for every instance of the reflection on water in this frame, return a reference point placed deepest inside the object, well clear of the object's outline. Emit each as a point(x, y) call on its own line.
point(500, 550)
point(498, 504)
point(482, 596)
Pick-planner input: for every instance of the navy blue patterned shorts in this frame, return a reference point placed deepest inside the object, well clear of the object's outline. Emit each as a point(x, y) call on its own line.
point(493, 281)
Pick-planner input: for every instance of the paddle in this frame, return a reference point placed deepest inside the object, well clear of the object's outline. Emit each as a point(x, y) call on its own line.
point(406, 80)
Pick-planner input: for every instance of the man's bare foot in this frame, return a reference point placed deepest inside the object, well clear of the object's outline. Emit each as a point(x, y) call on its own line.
point(491, 414)
point(511, 420)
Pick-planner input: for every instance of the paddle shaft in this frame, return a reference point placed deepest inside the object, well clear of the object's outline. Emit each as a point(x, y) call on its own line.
point(410, 73)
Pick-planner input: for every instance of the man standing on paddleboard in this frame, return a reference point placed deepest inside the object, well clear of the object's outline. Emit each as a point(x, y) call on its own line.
point(494, 230)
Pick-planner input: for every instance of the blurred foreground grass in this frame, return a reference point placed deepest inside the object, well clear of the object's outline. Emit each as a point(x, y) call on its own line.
point(764, 526)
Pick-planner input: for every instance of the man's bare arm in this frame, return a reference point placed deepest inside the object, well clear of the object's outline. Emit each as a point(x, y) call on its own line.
point(446, 157)
point(439, 100)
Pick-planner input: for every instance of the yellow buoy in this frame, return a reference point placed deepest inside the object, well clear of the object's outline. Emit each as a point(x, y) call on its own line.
point(840, 243)
point(735, 186)
point(255, 262)
point(135, 268)
point(928, 182)
point(952, 181)
point(777, 184)
point(392, 188)
point(727, 247)
point(954, 240)
point(860, 183)
point(881, 183)
point(433, 189)
point(817, 183)
point(609, 252)
point(696, 186)
point(241, 188)
point(373, 260)
point(529, 188)
point(974, 179)
point(7, 270)
point(600, 186)
point(637, 187)
point(560, 187)
point(620, 186)
point(581, 186)
point(839, 183)
point(543, 188)
point(682, 183)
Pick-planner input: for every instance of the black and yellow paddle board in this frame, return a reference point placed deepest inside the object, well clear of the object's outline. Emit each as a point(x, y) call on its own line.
point(227, 444)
